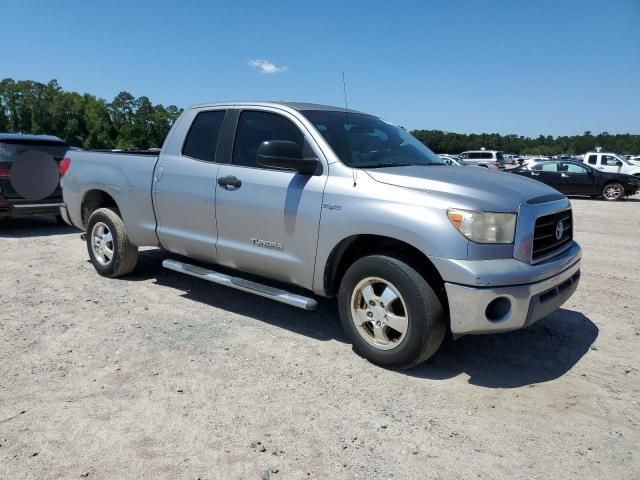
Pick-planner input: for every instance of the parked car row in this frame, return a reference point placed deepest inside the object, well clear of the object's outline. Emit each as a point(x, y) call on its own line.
point(604, 175)
point(576, 178)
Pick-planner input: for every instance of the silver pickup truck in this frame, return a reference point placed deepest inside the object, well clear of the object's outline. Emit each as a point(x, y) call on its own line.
point(295, 201)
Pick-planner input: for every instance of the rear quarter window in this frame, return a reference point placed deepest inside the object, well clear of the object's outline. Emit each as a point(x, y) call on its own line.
point(202, 140)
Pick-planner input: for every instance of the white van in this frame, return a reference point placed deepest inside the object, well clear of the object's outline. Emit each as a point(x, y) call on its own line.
point(484, 158)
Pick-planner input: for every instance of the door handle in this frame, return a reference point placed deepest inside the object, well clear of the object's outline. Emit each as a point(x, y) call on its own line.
point(229, 182)
point(534, 174)
point(564, 175)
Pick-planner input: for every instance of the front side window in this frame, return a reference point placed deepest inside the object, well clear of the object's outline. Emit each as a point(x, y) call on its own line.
point(364, 141)
point(255, 127)
point(611, 161)
point(202, 139)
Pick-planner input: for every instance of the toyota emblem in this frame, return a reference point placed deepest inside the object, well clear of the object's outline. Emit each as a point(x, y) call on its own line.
point(559, 229)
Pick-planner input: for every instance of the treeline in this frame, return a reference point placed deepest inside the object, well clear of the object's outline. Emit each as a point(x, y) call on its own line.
point(447, 142)
point(83, 120)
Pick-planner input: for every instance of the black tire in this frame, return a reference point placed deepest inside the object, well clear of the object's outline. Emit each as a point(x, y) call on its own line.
point(609, 187)
point(426, 317)
point(124, 253)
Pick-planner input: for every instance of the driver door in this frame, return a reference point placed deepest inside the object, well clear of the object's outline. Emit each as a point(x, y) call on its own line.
point(609, 163)
point(577, 179)
point(268, 219)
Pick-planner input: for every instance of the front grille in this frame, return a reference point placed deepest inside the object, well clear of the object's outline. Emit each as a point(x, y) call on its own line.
point(545, 242)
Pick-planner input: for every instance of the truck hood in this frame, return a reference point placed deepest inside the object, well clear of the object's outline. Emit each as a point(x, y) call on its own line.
point(479, 187)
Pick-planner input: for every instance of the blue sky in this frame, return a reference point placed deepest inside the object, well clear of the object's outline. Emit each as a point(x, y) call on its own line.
point(528, 67)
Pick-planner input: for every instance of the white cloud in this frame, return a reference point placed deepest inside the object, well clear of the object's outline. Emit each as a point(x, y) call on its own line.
point(267, 67)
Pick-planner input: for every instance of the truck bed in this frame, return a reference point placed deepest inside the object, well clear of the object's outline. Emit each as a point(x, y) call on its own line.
point(126, 176)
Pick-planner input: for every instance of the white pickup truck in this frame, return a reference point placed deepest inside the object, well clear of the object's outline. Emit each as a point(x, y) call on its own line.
point(610, 162)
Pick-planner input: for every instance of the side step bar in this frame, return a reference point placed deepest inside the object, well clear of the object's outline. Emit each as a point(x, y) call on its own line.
point(241, 284)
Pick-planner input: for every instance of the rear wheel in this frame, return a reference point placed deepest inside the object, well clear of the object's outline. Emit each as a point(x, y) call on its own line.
point(613, 191)
point(390, 312)
point(110, 251)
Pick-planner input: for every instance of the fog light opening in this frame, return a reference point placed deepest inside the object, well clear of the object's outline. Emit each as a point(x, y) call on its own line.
point(498, 309)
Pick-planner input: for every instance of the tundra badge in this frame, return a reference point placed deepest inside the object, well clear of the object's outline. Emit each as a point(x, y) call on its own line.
point(266, 243)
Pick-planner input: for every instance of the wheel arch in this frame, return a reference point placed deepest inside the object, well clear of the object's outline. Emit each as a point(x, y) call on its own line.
point(354, 247)
point(93, 200)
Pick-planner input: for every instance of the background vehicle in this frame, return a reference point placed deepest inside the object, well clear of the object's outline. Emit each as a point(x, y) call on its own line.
point(13, 146)
point(332, 202)
point(510, 159)
point(489, 158)
point(610, 162)
point(454, 160)
point(575, 178)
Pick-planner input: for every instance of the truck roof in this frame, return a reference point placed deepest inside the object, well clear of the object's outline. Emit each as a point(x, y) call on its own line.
point(294, 105)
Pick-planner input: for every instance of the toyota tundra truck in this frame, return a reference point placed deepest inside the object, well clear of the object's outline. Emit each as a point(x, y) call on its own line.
point(297, 201)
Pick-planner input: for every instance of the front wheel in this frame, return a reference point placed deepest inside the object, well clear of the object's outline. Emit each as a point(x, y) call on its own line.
point(110, 251)
point(613, 191)
point(390, 312)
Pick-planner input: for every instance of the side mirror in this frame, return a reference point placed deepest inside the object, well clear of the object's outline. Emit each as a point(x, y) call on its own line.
point(618, 163)
point(285, 155)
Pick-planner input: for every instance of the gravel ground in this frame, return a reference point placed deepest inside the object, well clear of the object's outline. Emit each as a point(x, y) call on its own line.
point(160, 375)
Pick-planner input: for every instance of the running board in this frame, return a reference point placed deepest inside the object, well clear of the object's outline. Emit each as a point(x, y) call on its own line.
point(241, 284)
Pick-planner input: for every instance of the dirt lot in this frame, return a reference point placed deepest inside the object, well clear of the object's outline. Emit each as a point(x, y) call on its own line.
point(163, 376)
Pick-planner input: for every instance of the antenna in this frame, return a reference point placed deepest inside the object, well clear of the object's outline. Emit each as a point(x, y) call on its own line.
point(346, 107)
point(344, 89)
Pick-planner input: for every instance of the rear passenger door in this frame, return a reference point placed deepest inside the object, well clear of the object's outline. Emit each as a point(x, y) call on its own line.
point(268, 218)
point(185, 186)
point(547, 172)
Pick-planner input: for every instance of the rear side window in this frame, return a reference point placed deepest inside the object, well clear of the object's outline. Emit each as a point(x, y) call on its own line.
point(610, 161)
point(546, 167)
point(256, 127)
point(592, 159)
point(481, 155)
point(202, 139)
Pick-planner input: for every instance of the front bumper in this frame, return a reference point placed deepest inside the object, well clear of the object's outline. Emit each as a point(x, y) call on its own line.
point(472, 309)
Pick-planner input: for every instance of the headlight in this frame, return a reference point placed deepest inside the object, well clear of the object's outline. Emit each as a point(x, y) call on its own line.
point(484, 227)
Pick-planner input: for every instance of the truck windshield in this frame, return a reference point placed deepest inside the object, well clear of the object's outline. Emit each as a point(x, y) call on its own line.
point(364, 141)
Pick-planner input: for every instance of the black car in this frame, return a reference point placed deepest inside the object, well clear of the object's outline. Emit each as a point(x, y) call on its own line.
point(575, 178)
point(14, 146)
